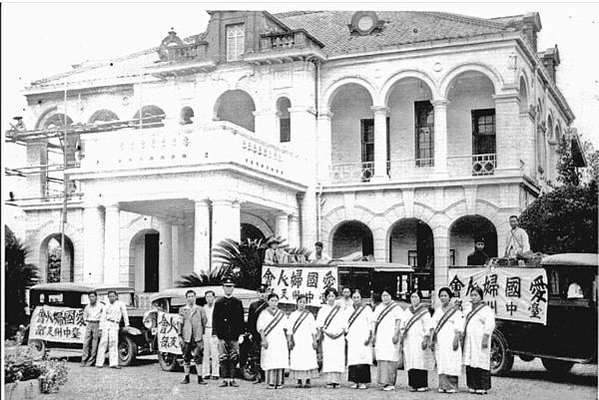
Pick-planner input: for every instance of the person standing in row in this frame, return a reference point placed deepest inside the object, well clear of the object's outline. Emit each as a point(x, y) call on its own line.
point(302, 341)
point(478, 328)
point(516, 242)
point(255, 309)
point(272, 326)
point(478, 257)
point(228, 326)
point(331, 321)
point(192, 326)
point(386, 328)
point(358, 334)
point(92, 313)
point(319, 257)
point(448, 323)
point(415, 341)
point(210, 361)
point(112, 314)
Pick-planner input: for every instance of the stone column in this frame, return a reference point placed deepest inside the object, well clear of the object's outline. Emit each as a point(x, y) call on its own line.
point(309, 225)
point(225, 221)
point(265, 125)
point(165, 255)
point(294, 231)
point(93, 244)
point(441, 243)
point(303, 133)
point(201, 236)
point(175, 255)
point(440, 134)
point(111, 244)
point(527, 142)
point(380, 143)
point(282, 226)
point(37, 154)
point(507, 132)
point(324, 150)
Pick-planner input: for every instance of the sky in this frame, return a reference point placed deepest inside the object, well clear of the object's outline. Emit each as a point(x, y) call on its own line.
point(42, 39)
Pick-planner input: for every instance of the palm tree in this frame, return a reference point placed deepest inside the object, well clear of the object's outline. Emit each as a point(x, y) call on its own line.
point(241, 260)
point(19, 276)
point(203, 279)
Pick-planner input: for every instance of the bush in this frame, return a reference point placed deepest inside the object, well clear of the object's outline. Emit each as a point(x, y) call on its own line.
point(19, 364)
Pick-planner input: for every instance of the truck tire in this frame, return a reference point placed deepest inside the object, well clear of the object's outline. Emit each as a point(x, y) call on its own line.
point(557, 367)
point(168, 362)
point(127, 351)
point(501, 358)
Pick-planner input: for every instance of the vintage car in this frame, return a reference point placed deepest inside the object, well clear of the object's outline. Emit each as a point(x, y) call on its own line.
point(170, 300)
point(134, 340)
point(570, 335)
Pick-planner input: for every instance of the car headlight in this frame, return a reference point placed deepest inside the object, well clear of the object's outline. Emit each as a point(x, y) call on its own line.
point(148, 319)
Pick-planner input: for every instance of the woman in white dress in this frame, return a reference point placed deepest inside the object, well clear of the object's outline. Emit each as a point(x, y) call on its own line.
point(302, 340)
point(415, 341)
point(448, 323)
point(274, 357)
point(386, 328)
point(478, 328)
point(331, 321)
point(358, 334)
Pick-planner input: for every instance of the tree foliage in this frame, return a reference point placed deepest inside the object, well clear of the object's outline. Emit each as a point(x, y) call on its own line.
point(567, 171)
point(19, 276)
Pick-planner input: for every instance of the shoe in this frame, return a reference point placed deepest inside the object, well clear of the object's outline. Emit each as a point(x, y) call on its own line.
point(224, 384)
point(354, 386)
point(279, 387)
point(215, 378)
point(388, 388)
point(201, 381)
point(271, 387)
point(412, 389)
point(307, 386)
point(89, 364)
point(299, 385)
point(99, 366)
point(362, 386)
point(206, 377)
point(185, 380)
point(115, 366)
point(82, 364)
point(422, 389)
point(442, 391)
point(451, 391)
point(329, 386)
point(234, 384)
point(482, 392)
point(472, 391)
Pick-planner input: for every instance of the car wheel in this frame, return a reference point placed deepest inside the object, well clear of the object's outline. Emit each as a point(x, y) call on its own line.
point(557, 367)
point(38, 348)
point(127, 351)
point(168, 361)
point(501, 359)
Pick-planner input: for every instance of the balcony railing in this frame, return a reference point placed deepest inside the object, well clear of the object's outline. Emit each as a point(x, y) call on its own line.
point(218, 143)
point(483, 164)
point(352, 172)
point(295, 39)
point(186, 52)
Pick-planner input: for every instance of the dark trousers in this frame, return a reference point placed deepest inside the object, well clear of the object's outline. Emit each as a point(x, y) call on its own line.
point(478, 378)
point(229, 356)
point(90, 342)
point(256, 351)
point(359, 373)
point(417, 378)
point(193, 350)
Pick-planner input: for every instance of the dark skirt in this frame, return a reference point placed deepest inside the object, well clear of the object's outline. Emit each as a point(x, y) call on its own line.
point(448, 382)
point(478, 378)
point(359, 373)
point(417, 378)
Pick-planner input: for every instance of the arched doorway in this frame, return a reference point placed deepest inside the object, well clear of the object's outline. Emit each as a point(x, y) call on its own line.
point(250, 232)
point(283, 105)
point(352, 237)
point(411, 242)
point(463, 233)
point(237, 107)
point(58, 267)
point(144, 256)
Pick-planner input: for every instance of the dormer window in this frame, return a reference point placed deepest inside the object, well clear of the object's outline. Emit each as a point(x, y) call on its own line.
point(235, 42)
point(365, 23)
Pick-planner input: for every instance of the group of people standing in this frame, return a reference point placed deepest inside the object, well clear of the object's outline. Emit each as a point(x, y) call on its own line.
point(355, 336)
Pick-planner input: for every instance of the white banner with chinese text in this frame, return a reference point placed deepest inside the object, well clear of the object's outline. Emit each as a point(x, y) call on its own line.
point(168, 333)
point(289, 282)
point(518, 294)
point(57, 324)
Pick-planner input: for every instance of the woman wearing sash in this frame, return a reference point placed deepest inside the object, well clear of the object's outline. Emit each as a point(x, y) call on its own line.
point(274, 357)
point(415, 341)
point(386, 328)
point(478, 328)
point(359, 336)
point(331, 321)
point(302, 339)
point(448, 323)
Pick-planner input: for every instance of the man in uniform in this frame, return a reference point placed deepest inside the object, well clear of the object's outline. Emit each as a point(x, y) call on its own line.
point(478, 257)
point(228, 326)
point(210, 364)
point(92, 313)
point(516, 242)
point(191, 335)
point(255, 309)
point(112, 314)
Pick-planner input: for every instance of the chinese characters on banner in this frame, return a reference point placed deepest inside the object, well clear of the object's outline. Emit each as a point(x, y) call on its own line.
point(168, 333)
point(57, 324)
point(290, 282)
point(518, 294)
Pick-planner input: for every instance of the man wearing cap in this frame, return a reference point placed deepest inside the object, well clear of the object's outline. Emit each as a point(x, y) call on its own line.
point(228, 325)
point(274, 254)
point(256, 308)
point(318, 257)
point(478, 257)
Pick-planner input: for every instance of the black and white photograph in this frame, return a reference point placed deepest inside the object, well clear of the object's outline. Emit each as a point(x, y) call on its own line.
point(316, 200)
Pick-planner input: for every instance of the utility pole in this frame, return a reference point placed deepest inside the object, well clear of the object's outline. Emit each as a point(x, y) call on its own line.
point(65, 183)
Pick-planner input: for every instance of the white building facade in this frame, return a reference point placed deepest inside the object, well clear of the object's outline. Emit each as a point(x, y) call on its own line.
point(403, 135)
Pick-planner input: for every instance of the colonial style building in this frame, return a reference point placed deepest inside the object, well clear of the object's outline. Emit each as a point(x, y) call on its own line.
point(399, 134)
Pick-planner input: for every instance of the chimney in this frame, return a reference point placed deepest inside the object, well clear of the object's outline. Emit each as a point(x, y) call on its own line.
point(551, 60)
point(531, 26)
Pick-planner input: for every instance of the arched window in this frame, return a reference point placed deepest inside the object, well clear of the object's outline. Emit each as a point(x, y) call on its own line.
point(283, 105)
point(186, 116)
point(103, 116)
point(151, 116)
point(237, 107)
point(235, 42)
point(56, 121)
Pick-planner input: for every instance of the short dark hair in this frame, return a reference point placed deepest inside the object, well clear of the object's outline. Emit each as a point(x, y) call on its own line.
point(93, 292)
point(357, 291)
point(514, 216)
point(301, 296)
point(417, 291)
point(478, 290)
point(446, 290)
point(272, 295)
point(318, 244)
point(190, 291)
point(389, 291)
point(111, 291)
point(331, 290)
point(209, 291)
